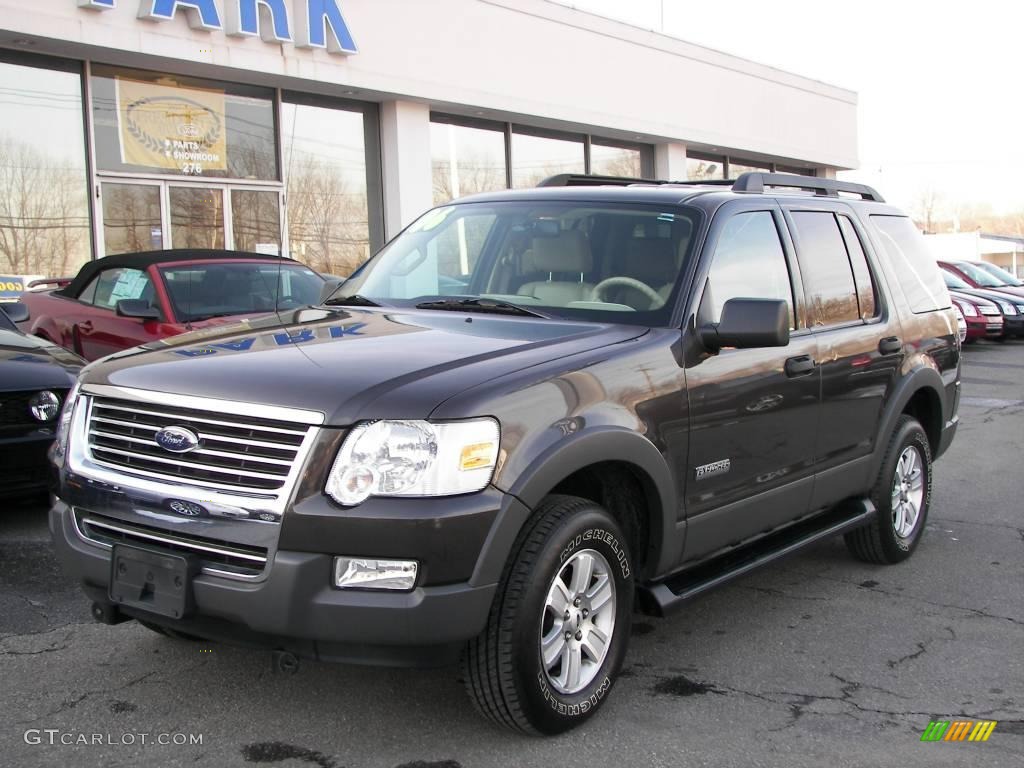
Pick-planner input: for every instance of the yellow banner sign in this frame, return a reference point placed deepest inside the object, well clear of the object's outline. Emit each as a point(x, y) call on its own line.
point(170, 127)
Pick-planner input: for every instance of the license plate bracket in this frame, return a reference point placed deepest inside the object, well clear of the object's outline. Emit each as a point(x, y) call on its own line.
point(157, 582)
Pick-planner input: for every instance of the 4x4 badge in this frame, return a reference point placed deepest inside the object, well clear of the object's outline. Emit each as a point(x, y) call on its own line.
point(714, 468)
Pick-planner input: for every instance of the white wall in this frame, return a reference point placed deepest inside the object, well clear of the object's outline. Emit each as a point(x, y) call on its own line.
point(527, 60)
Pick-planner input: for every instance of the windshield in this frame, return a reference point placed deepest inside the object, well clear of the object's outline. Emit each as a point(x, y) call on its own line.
point(953, 282)
point(603, 262)
point(980, 276)
point(999, 273)
point(199, 291)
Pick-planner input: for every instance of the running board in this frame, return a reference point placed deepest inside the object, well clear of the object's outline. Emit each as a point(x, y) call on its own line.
point(663, 597)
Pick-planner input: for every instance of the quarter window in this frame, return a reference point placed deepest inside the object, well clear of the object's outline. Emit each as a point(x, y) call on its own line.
point(915, 267)
point(825, 267)
point(861, 273)
point(749, 263)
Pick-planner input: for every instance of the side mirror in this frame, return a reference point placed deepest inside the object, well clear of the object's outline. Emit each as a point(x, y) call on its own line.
point(329, 287)
point(17, 311)
point(748, 323)
point(137, 308)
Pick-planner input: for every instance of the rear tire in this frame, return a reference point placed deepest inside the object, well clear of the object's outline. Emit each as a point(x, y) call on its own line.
point(902, 495)
point(559, 626)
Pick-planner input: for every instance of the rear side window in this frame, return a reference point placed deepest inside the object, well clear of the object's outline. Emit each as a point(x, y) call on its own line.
point(866, 294)
point(915, 267)
point(749, 264)
point(825, 268)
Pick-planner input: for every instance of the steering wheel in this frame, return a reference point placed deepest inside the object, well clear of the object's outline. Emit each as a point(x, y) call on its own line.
point(597, 294)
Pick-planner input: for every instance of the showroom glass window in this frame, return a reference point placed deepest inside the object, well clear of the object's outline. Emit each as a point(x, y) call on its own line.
point(44, 207)
point(148, 122)
point(465, 160)
point(609, 160)
point(324, 153)
point(704, 168)
point(535, 158)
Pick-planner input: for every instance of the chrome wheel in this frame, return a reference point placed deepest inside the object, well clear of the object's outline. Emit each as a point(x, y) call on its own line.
point(577, 622)
point(907, 492)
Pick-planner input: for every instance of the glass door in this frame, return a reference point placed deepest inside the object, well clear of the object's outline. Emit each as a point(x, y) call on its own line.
point(256, 220)
point(197, 216)
point(131, 217)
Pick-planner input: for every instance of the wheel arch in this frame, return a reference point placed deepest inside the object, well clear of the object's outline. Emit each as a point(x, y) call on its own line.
point(918, 395)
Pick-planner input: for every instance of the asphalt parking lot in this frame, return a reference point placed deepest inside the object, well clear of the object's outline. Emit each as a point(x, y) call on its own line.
point(820, 660)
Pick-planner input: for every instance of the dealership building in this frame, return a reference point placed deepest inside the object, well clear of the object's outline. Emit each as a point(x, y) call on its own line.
point(320, 128)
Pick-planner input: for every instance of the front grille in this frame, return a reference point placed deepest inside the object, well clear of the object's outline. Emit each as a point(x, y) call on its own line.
point(16, 414)
point(990, 310)
point(213, 554)
point(235, 453)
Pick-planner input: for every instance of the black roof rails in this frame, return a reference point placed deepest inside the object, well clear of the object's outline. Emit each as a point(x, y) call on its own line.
point(756, 182)
point(592, 180)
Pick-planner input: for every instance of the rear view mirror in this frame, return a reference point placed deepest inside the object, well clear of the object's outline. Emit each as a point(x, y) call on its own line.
point(329, 287)
point(17, 311)
point(137, 308)
point(748, 323)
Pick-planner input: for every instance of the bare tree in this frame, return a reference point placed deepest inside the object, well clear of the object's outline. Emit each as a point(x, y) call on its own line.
point(928, 208)
point(44, 222)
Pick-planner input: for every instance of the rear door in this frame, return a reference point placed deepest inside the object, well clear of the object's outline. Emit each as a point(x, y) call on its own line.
point(753, 412)
point(860, 342)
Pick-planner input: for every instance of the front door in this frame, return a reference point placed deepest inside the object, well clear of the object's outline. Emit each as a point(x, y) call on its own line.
point(754, 413)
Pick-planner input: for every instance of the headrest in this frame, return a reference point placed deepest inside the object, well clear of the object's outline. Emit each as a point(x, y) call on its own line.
point(569, 252)
point(651, 259)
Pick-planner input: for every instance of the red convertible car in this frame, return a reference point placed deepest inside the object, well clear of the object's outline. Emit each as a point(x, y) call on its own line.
point(122, 301)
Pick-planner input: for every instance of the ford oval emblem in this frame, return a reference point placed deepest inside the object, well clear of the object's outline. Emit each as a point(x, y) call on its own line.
point(187, 508)
point(177, 439)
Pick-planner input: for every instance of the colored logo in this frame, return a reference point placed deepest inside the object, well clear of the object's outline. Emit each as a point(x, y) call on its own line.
point(958, 730)
point(177, 439)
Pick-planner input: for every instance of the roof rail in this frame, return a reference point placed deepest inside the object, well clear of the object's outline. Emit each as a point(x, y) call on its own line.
point(756, 182)
point(592, 180)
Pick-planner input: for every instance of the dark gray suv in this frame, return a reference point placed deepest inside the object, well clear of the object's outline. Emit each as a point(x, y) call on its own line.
point(528, 415)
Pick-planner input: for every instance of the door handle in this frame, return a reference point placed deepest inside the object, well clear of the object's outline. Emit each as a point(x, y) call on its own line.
point(799, 366)
point(85, 325)
point(890, 345)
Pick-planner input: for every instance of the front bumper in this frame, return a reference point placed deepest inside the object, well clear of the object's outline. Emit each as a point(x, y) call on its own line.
point(24, 466)
point(294, 607)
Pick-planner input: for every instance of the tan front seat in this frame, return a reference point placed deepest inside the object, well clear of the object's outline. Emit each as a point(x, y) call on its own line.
point(567, 254)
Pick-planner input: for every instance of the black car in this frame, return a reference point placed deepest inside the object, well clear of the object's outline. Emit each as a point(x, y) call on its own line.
point(35, 377)
point(639, 391)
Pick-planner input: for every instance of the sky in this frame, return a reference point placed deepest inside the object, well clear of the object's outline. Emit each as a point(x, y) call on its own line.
point(940, 86)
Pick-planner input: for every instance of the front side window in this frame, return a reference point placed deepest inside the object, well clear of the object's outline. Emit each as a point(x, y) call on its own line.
point(749, 263)
point(112, 285)
point(825, 266)
point(603, 262)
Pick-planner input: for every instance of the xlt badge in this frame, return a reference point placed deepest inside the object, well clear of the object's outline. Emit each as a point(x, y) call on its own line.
point(714, 468)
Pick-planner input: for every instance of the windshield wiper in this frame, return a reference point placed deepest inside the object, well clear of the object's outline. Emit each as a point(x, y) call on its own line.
point(200, 318)
point(481, 305)
point(355, 300)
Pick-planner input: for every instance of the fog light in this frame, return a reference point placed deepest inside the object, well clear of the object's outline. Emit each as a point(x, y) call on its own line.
point(44, 405)
point(364, 573)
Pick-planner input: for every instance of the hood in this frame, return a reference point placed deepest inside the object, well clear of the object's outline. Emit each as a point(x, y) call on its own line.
point(351, 364)
point(27, 362)
point(994, 294)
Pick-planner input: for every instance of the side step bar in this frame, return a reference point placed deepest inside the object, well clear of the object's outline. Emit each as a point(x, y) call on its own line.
point(664, 597)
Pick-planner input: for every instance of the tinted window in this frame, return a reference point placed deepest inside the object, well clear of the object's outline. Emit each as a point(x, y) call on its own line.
point(914, 265)
point(749, 263)
point(861, 273)
point(825, 267)
point(112, 285)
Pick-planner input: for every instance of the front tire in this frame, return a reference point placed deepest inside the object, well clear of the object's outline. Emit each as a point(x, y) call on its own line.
point(902, 495)
point(559, 626)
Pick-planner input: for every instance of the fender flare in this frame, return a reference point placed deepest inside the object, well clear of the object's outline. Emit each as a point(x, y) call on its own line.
point(923, 377)
point(571, 455)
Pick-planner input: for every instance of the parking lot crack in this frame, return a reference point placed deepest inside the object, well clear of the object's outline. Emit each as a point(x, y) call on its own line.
point(922, 648)
point(71, 703)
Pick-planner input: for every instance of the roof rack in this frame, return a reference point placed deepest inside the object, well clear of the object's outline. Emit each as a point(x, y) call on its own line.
point(756, 182)
point(746, 182)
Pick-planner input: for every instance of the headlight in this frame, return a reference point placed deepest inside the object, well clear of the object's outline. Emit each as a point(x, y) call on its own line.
point(1020, 308)
point(414, 458)
point(60, 443)
point(44, 405)
point(969, 310)
point(1007, 308)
